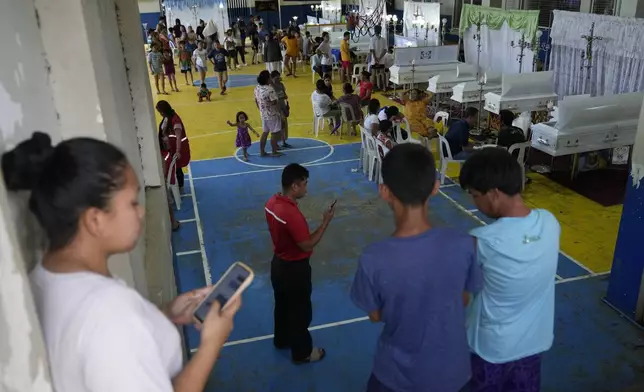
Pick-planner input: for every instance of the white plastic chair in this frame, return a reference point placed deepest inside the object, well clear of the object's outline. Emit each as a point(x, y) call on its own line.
point(381, 147)
point(335, 66)
point(521, 158)
point(398, 134)
point(446, 157)
point(314, 59)
point(171, 183)
point(371, 155)
point(364, 162)
point(357, 73)
point(443, 117)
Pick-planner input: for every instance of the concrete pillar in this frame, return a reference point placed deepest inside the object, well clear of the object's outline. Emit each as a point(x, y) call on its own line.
point(100, 85)
point(626, 288)
point(27, 105)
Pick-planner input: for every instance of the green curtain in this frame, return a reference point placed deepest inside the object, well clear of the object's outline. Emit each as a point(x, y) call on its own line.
point(526, 22)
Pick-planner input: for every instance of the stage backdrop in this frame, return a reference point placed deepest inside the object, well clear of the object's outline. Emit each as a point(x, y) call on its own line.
point(617, 60)
point(430, 15)
point(499, 29)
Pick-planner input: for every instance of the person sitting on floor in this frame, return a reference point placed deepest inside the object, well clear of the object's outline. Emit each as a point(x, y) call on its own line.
point(458, 135)
point(417, 295)
point(511, 320)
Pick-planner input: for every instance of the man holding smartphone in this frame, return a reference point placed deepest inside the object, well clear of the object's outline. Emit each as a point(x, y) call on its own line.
point(290, 268)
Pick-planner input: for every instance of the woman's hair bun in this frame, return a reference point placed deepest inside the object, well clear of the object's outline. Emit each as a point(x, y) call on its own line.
point(23, 165)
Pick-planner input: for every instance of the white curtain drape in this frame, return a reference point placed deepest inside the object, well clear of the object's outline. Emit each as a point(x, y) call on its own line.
point(497, 54)
point(205, 9)
point(617, 62)
point(430, 14)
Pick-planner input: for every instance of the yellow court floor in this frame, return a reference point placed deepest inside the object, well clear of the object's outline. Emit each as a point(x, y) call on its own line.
point(589, 230)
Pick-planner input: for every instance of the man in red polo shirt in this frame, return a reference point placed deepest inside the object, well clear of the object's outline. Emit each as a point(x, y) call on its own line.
point(290, 268)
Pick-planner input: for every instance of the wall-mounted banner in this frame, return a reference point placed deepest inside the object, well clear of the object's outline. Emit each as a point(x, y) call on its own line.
point(266, 5)
point(426, 55)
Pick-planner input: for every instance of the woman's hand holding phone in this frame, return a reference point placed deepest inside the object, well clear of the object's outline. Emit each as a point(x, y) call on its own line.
point(328, 214)
point(218, 325)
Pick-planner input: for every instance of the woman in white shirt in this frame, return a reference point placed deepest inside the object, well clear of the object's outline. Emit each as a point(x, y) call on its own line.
point(371, 122)
point(101, 335)
point(323, 106)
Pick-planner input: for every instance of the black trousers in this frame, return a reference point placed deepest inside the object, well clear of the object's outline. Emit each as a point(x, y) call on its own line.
point(242, 53)
point(180, 179)
point(292, 288)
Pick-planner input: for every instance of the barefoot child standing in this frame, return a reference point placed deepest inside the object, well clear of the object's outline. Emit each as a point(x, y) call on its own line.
point(185, 63)
point(169, 70)
point(155, 61)
point(243, 137)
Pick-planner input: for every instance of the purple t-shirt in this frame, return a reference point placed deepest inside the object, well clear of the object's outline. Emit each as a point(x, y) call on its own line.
point(417, 283)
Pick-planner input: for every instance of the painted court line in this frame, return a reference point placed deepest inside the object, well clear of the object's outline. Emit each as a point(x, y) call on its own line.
point(271, 169)
point(315, 328)
point(360, 319)
point(188, 252)
point(204, 258)
point(327, 145)
point(447, 186)
point(216, 133)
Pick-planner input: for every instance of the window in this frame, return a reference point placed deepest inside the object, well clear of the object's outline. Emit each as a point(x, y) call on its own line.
point(547, 6)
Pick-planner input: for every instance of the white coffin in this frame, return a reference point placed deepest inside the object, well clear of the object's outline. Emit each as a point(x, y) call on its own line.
point(469, 91)
point(590, 124)
point(523, 93)
point(403, 74)
point(444, 82)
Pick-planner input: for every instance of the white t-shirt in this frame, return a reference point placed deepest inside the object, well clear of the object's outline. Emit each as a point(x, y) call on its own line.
point(388, 60)
point(102, 336)
point(200, 57)
point(382, 116)
point(378, 45)
point(321, 103)
point(370, 120)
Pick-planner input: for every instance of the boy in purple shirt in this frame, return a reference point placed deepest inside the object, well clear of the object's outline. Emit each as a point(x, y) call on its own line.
point(414, 282)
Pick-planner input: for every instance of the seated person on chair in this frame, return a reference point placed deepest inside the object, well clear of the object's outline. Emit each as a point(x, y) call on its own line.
point(352, 100)
point(392, 113)
point(509, 134)
point(416, 102)
point(385, 135)
point(322, 105)
point(458, 135)
point(371, 122)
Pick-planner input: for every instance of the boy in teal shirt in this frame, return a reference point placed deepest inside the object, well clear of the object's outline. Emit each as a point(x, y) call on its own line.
point(510, 321)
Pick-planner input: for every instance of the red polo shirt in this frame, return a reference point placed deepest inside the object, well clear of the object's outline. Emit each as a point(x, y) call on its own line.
point(287, 226)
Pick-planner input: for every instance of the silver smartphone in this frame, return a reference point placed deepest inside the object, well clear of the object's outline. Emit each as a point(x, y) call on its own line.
point(238, 277)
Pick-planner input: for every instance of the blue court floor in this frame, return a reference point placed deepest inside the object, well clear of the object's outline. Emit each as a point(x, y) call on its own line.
point(223, 221)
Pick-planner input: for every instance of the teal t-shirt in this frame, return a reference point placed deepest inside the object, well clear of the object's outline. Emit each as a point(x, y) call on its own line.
point(512, 317)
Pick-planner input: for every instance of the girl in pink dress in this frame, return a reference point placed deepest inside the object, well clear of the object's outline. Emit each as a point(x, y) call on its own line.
point(243, 137)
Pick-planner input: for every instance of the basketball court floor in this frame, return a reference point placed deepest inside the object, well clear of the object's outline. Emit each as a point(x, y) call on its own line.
point(223, 221)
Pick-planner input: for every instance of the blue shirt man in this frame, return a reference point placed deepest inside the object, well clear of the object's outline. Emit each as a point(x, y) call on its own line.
point(414, 282)
point(458, 134)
